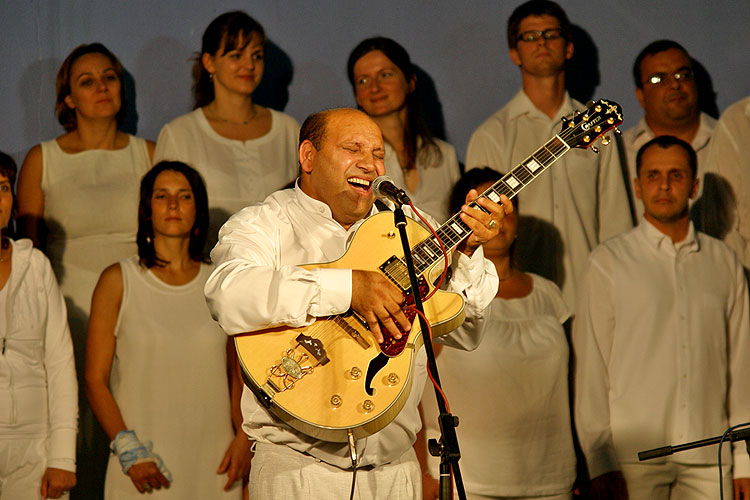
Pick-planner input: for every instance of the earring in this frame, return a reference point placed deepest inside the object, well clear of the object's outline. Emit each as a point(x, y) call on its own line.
point(148, 239)
point(211, 76)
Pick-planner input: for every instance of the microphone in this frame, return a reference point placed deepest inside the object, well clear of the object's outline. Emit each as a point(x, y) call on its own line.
point(383, 187)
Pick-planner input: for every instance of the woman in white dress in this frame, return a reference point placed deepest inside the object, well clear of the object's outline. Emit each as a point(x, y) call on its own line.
point(77, 196)
point(511, 393)
point(243, 150)
point(384, 83)
point(157, 364)
point(38, 391)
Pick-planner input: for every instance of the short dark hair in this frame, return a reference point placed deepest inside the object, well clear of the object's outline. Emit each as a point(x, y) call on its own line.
point(664, 142)
point(228, 28)
point(651, 49)
point(470, 180)
point(536, 8)
point(199, 231)
point(9, 169)
point(67, 116)
point(313, 129)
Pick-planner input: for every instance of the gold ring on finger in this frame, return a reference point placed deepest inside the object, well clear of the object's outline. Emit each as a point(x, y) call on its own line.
point(492, 224)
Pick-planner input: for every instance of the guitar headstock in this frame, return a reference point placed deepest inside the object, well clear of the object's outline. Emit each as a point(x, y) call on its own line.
point(587, 126)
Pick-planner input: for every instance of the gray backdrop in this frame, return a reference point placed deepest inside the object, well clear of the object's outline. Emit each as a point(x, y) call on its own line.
point(459, 46)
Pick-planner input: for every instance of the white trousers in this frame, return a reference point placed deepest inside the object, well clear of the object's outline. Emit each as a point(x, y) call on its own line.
point(672, 481)
point(22, 465)
point(280, 472)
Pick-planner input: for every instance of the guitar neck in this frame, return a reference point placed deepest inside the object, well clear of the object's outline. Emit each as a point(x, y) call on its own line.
point(427, 252)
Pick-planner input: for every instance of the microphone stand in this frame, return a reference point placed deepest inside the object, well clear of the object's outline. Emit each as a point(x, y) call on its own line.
point(447, 447)
point(740, 435)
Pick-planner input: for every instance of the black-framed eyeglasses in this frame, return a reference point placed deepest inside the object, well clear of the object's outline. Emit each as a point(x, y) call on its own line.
point(683, 75)
point(534, 35)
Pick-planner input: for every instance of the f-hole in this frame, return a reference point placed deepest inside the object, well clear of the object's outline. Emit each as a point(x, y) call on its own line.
point(376, 364)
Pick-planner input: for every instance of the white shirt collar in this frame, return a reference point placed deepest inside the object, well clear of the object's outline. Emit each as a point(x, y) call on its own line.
point(663, 243)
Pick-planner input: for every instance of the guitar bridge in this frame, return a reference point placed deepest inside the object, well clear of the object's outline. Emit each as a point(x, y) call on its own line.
point(314, 347)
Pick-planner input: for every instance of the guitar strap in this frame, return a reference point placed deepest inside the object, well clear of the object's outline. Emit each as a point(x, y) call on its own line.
point(382, 207)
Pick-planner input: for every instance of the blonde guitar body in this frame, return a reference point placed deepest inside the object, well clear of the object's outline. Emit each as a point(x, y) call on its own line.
point(326, 400)
point(331, 378)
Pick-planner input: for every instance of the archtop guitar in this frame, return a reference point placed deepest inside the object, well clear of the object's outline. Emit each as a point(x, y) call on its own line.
point(332, 378)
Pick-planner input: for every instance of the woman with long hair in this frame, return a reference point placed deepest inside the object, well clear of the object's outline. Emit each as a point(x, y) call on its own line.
point(158, 374)
point(38, 391)
point(77, 195)
point(243, 150)
point(385, 87)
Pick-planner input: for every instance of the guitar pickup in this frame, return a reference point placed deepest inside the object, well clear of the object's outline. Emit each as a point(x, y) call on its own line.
point(349, 329)
point(314, 347)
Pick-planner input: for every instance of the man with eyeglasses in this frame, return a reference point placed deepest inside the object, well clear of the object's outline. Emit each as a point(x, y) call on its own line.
point(582, 200)
point(666, 90)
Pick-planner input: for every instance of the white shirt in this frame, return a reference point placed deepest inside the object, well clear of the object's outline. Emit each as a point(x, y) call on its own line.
point(635, 137)
point(515, 432)
point(236, 173)
point(257, 260)
point(436, 182)
point(729, 157)
point(581, 200)
point(38, 387)
point(661, 336)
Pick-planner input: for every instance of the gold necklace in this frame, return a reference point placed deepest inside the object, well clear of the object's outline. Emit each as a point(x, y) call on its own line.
point(244, 122)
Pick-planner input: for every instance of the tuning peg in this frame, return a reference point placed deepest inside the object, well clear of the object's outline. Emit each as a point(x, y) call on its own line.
point(618, 131)
point(589, 104)
point(594, 149)
point(606, 140)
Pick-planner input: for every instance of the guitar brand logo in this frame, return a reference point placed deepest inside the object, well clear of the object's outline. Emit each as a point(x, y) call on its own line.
point(587, 125)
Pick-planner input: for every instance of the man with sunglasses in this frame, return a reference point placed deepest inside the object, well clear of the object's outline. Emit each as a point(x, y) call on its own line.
point(582, 200)
point(666, 90)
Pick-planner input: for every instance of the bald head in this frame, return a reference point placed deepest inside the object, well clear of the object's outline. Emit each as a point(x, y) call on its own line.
point(341, 152)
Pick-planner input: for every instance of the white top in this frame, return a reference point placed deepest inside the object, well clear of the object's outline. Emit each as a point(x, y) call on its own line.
point(511, 396)
point(635, 137)
point(237, 173)
point(582, 197)
point(169, 378)
point(729, 157)
point(91, 213)
point(662, 339)
point(256, 264)
point(435, 182)
point(38, 388)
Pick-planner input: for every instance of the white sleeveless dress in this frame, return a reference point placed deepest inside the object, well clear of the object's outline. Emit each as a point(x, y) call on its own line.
point(169, 379)
point(91, 213)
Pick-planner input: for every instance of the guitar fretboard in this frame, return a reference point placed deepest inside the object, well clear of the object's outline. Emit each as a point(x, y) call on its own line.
point(427, 252)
